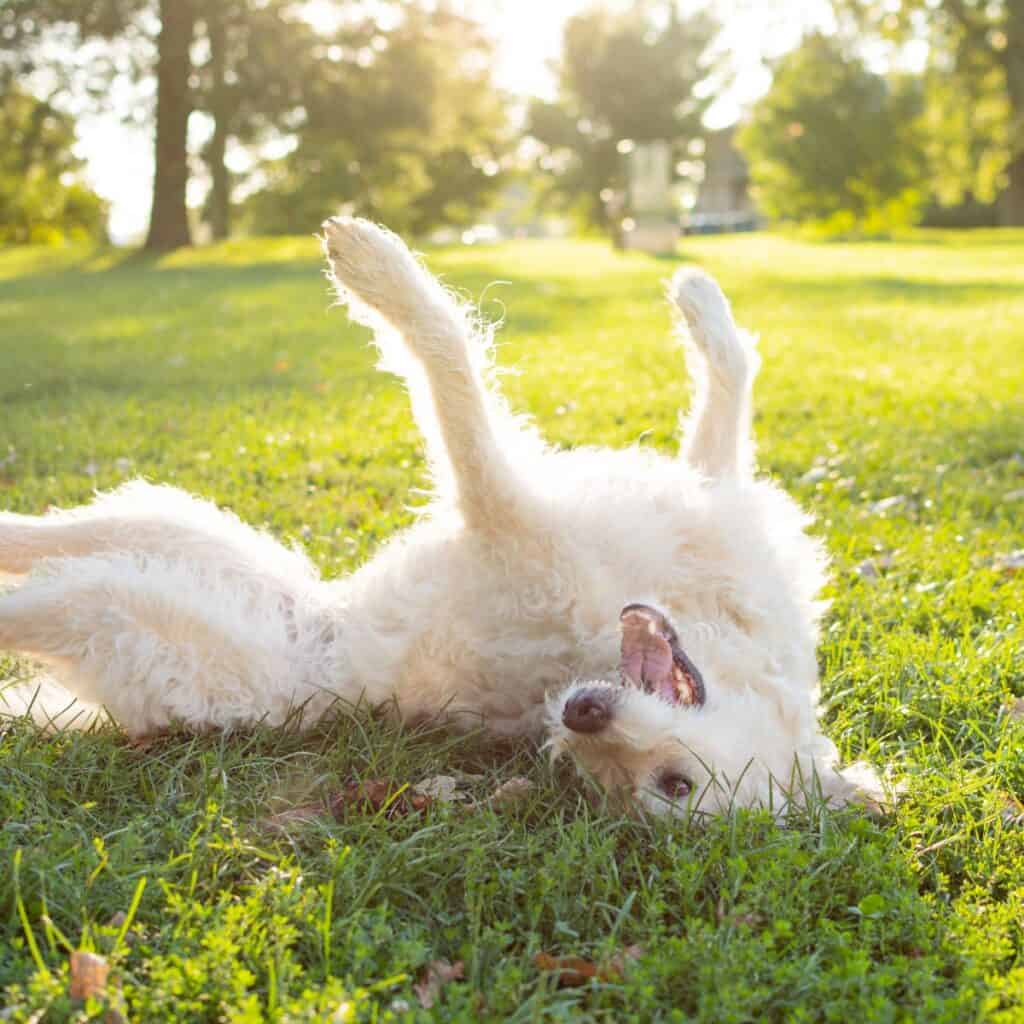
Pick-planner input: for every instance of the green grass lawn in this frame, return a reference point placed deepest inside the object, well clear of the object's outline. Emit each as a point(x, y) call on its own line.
point(892, 371)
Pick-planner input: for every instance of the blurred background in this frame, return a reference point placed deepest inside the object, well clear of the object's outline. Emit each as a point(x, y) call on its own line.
point(166, 123)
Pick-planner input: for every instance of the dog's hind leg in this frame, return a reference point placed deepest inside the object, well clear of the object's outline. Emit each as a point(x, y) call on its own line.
point(147, 519)
point(156, 642)
point(723, 361)
point(428, 339)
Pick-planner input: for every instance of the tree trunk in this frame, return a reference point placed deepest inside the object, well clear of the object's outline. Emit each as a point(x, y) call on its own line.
point(220, 193)
point(168, 222)
point(1011, 202)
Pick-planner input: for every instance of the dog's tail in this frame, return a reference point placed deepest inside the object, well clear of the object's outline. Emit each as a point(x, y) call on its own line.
point(45, 702)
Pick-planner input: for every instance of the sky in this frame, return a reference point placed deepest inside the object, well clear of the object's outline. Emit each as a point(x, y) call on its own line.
point(119, 161)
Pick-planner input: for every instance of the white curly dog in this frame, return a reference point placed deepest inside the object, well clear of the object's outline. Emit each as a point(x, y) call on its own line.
point(656, 617)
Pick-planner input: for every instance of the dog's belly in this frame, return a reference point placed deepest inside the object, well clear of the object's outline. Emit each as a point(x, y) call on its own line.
point(487, 628)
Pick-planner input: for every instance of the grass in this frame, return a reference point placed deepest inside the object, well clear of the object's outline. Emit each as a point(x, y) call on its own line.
point(891, 371)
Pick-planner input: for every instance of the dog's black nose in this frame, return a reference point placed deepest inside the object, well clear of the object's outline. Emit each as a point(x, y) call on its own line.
point(588, 711)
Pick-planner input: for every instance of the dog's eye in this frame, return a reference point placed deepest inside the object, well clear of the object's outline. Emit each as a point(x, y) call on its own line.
point(675, 785)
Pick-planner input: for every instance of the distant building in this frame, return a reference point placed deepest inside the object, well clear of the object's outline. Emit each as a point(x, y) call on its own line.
point(723, 198)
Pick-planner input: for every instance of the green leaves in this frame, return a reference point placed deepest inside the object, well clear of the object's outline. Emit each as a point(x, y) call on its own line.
point(832, 139)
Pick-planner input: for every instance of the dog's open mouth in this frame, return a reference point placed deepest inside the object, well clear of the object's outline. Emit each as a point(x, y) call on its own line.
point(653, 660)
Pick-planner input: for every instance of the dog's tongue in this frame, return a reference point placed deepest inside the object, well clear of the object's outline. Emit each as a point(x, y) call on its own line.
point(652, 659)
point(647, 656)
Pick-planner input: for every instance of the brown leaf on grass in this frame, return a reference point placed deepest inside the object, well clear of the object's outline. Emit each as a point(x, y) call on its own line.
point(573, 971)
point(88, 975)
point(304, 814)
point(1011, 811)
point(144, 744)
point(442, 788)
point(1009, 564)
point(371, 796)
point(512, 791)
point(434, 976)
point(1015, 709)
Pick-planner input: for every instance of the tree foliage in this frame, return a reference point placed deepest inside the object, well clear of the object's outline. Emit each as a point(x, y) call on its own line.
point(624, 77)
point(239, 61)
point(831, 139)
point(248, 78)
point(977, 97)
point(402, 124)
point(42, 198)
point(156, 36)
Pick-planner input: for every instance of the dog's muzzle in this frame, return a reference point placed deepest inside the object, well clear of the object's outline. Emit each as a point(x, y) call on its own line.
point(588, 711)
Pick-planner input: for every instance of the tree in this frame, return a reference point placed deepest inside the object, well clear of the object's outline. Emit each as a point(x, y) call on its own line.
point(41, 196)
point(250, 84)
point(168, 219)
point(623, 78)
point(26, 24)
point(832, 138)
point(255, 54)
point(403, 124)
point(981, 45)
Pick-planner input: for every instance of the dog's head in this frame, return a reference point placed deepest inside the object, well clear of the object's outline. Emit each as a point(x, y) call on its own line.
point(665, 738)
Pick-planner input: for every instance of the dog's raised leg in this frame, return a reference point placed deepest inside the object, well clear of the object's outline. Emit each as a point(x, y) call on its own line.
point(147, 519)
point(723, 361)
point(428, 339)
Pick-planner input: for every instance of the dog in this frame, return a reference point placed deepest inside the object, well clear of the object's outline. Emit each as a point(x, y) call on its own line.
point(655, 618)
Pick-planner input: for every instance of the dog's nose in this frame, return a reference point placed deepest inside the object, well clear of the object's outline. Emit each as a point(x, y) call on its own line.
point(588, 711)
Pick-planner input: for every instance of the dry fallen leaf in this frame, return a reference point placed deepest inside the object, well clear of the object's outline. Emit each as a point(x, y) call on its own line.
point(574, 971)
point(144, 744)
point(1015, 709)
point(88, 975)
point(434, 976)
point(511, 792)
point(304, 814)
point(1011, 811)
point(376, 795)
point(1011, 563)
point(439, 787)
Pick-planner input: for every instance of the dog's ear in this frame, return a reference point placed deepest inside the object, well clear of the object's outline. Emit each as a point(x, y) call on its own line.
point(653, 660)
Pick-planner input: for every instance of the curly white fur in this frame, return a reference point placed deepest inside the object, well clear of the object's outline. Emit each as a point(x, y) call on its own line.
point(161, 608)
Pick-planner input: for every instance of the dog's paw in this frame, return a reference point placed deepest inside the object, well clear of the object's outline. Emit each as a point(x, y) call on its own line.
point(704, 307)
point(352, 239)
point(698, 297)
point(373, 266)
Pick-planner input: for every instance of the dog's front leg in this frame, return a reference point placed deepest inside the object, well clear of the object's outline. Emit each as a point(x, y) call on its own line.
point(429, 340)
